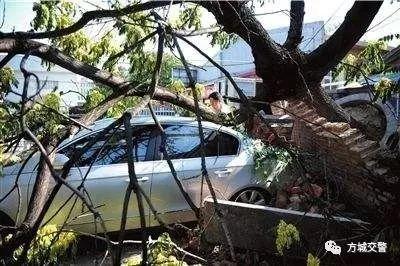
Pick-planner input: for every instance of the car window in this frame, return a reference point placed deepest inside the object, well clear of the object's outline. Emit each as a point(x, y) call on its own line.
point(114, 151)
point(227, 144)
point(184, 142)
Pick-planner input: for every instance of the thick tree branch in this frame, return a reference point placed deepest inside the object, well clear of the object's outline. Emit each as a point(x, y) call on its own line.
point(132, 186)
point(296, 24)
point(273, 62)
point(86, 18)
point(356, 22)
point(120, 86)
point(237, 18)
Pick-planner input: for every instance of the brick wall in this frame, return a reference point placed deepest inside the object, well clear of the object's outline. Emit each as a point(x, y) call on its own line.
point(345, 156)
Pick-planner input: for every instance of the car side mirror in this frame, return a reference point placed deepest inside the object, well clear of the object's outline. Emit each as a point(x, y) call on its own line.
point(59, 161)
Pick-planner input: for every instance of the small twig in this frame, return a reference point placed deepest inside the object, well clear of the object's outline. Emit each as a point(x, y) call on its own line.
point(112, 58)
point(157, 67)
point(202, 151)
point(194, 208)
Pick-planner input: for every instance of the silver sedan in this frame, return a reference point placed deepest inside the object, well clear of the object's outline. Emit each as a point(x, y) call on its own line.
point(229, 161)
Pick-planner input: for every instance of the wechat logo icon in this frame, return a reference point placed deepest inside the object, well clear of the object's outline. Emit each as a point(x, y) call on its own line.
point(331, 246)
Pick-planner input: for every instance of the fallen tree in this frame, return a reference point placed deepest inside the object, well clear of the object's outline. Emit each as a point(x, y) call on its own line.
point(287, 73)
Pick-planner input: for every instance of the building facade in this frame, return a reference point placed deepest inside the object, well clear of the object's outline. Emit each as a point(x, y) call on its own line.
point(238, 60)
point(72, 87)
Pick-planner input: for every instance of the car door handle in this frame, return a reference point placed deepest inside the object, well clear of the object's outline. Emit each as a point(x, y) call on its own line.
point(223, 172)
point(142, 179)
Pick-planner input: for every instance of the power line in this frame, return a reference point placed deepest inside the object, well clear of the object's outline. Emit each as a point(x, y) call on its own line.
point(284, 11)
point(383, 20)
point(323, 26)
point(387, 24)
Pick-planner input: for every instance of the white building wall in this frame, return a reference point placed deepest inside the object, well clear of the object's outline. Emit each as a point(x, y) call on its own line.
point(63, 80)
point(237, 58)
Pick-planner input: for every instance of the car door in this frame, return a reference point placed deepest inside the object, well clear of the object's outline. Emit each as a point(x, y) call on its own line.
point(108, 178)
point(165, 193)
point(183, 147)
point(221, 151)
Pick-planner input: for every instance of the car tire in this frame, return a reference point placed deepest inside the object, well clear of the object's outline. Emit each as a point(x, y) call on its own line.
point(255, 196)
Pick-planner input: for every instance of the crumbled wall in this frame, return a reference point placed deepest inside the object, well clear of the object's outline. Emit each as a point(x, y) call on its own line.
point(343, 154)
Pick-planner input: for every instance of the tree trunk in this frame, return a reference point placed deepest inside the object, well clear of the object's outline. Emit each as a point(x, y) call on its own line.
point(326, 106)
point(39, 192)
point(26, 231)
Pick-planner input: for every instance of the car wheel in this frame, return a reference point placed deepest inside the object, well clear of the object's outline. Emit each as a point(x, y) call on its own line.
point(253, 196)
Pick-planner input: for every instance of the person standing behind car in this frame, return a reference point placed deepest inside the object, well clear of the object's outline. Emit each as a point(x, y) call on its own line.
point(217, 103)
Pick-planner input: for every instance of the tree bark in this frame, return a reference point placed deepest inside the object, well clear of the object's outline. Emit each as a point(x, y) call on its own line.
point(296, 25)
point(40, 190)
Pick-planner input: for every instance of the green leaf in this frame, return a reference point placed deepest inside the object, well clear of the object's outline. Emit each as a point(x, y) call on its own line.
point(286, 235)
point(312, 261)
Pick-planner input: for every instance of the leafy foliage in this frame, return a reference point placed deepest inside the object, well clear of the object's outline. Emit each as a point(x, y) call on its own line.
point(384, 88)
point(161, 252)
point(264, 152)
point(7, 79)
point(269, 160)
point(95, 96)
point(47, 248)
point(312, 261)
point(99, 93)
point(286, 235)
point(177, 86)
point(49, 121)
point(142, 65)
point(118, 109)
point(52, 15)
point(223, 39)
point(390, 37)
point(42, 117)
point(368, 62)
point(8, 124)
point(189, 18)
point(7, 119)
point(7, 158)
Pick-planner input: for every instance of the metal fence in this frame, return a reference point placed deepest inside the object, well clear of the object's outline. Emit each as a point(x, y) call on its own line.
point(159, 110)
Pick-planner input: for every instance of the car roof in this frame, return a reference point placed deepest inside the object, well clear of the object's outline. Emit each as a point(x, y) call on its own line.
point(148, 120)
